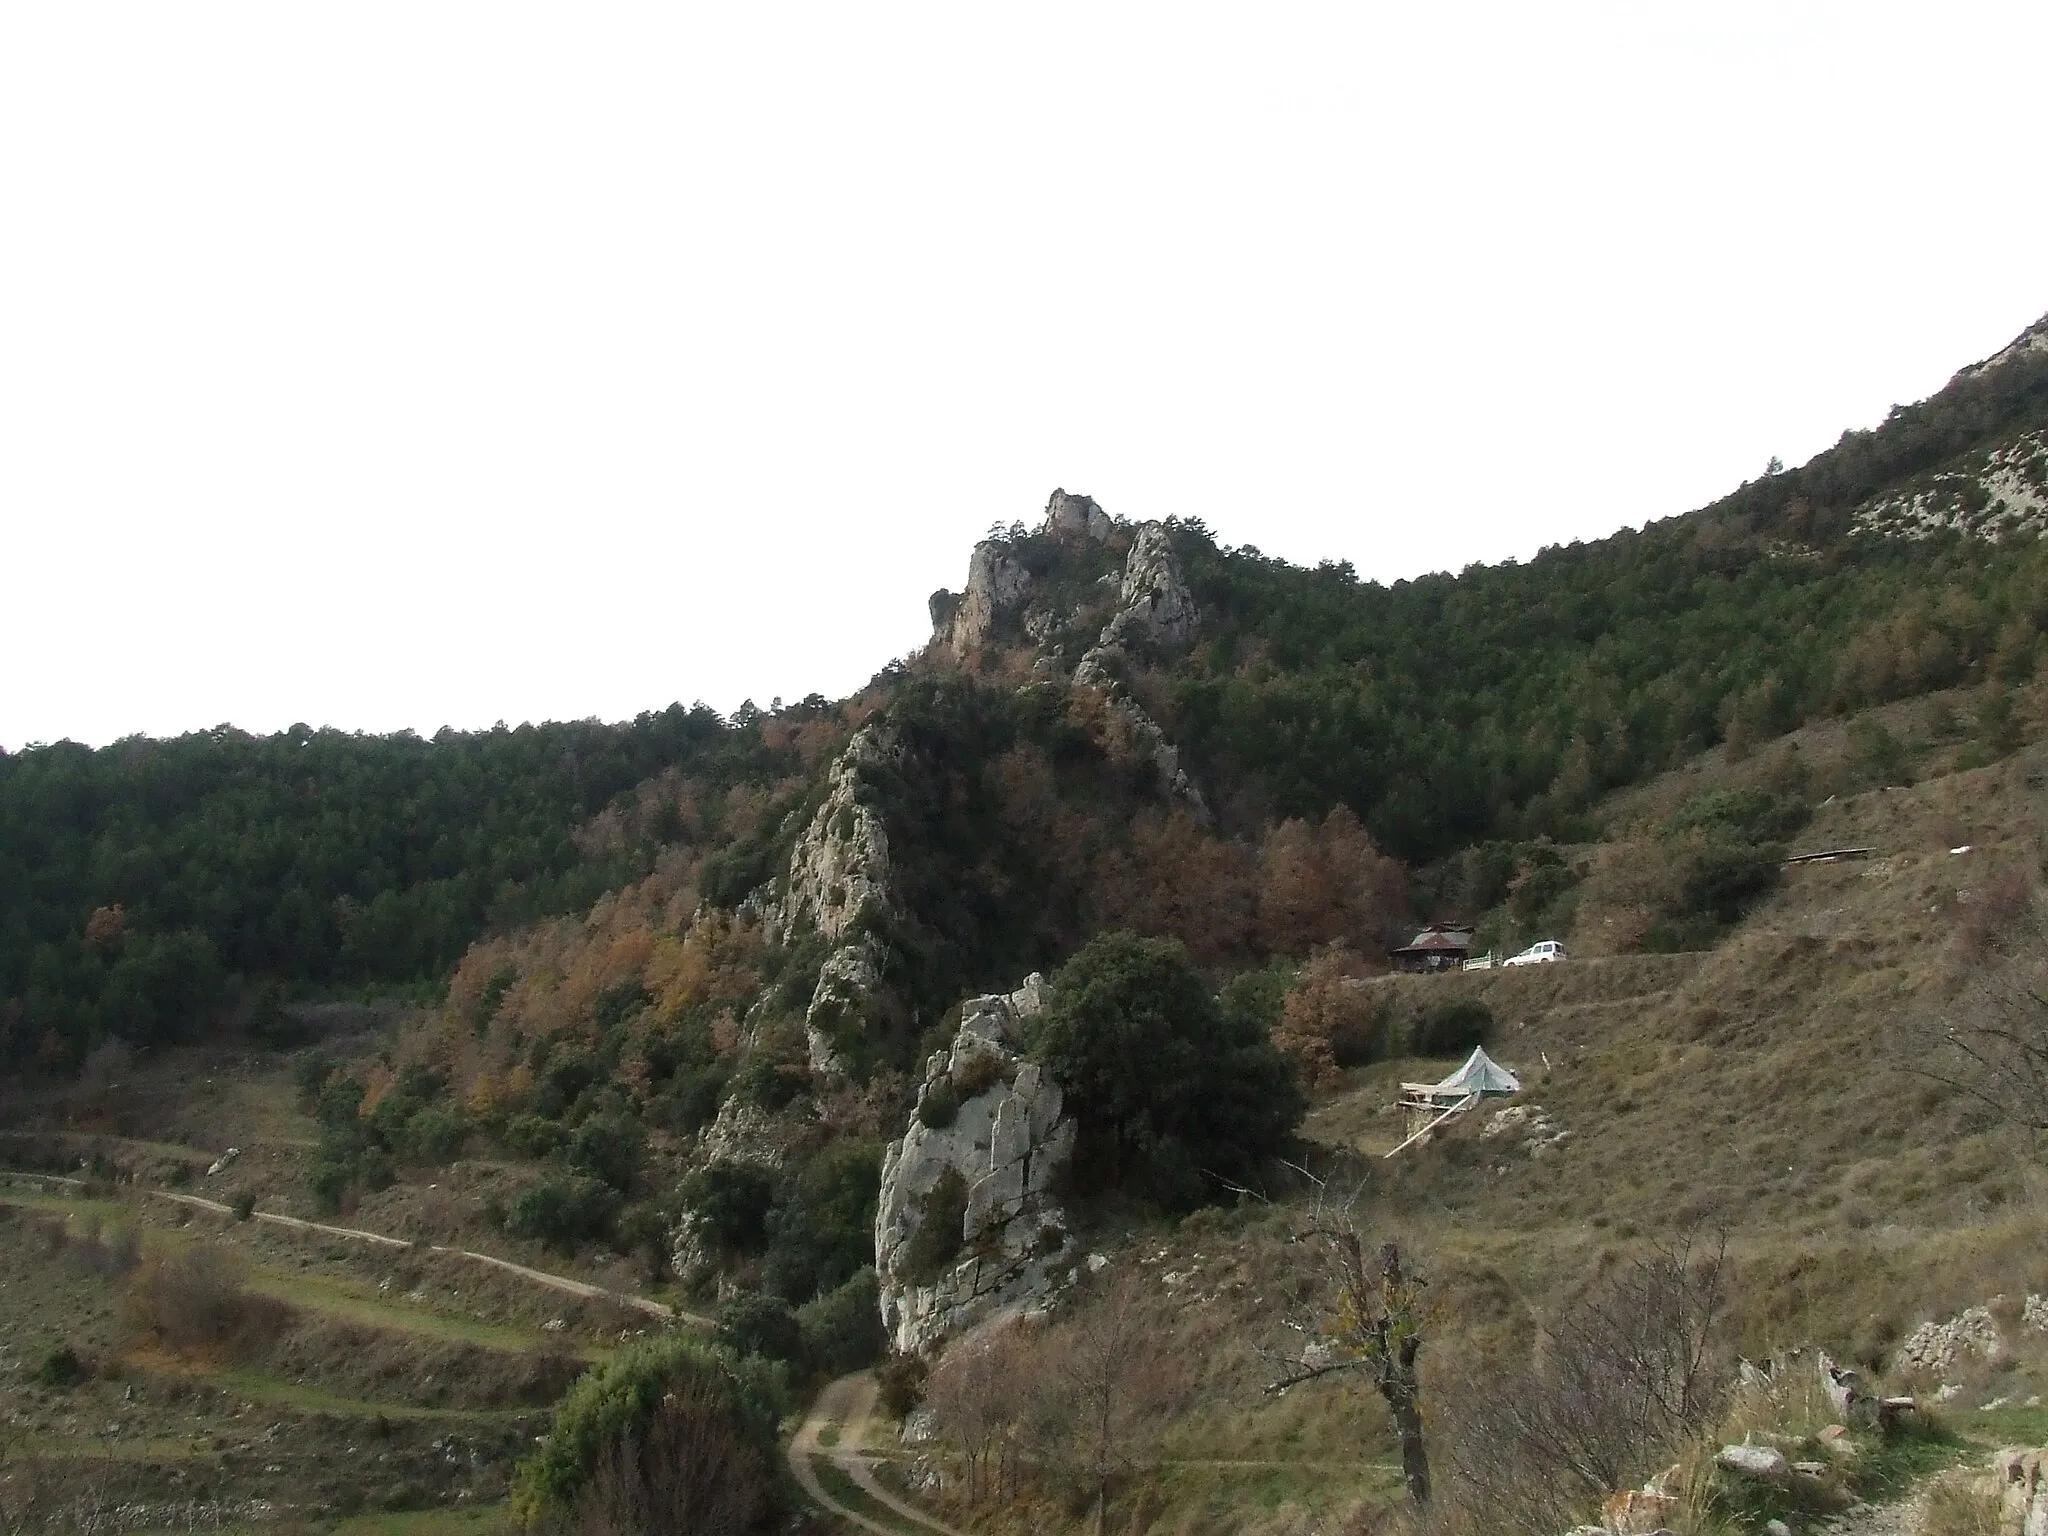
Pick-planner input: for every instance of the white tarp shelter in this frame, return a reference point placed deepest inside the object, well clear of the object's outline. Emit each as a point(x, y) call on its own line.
point(1480, 1075)
point(1429, 1105)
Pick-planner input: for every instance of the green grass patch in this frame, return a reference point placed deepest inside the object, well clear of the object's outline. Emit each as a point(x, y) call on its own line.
point(359, 1302)
point(856, 1498)
point(259, 1386)
point(2007, 1426)
point(479, 1520)
point(1889, 1467)
point(57, 1201)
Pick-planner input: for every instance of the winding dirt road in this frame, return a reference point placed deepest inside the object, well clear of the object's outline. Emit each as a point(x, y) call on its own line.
point(563, 1283)
point(849, 1404)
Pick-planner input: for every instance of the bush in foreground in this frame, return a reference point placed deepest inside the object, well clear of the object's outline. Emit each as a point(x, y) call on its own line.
point(669, 1436)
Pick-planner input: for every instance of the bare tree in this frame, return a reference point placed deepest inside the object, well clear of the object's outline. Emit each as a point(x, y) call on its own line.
point(1994, 1043)
point(982, 1396)
point(1373, 1325)
point(1082, 1400)
point(1117, 1380)
point(1624, 1377)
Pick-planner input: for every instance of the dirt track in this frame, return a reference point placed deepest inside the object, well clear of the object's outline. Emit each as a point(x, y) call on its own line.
point(563, 1283)
point(849, 1403)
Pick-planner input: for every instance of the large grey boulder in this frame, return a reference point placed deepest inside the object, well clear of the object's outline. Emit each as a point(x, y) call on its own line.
point(1006, 1144)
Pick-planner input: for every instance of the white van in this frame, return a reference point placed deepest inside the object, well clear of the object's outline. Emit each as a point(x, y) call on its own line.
point(1537, 954)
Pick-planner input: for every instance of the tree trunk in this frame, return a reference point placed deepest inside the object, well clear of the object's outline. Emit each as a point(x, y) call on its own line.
point(1414, 1458)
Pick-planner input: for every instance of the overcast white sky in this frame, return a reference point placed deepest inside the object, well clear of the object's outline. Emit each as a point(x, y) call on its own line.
point(391, 365)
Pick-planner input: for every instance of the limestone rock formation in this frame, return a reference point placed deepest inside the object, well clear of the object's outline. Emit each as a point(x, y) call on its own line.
point(997, 585)
point(839, 867)
point(1153, 603)
point(984, 1150)
point(1076, 517)
point(1155, 594)
point(839, 874)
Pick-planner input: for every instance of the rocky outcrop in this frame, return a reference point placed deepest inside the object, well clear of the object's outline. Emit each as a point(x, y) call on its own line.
point(1070, 518)
point(1153, 604)
point(997, 586)
point(1155, 596)
point(2000, 493)
point(839, 875)
point(967, 1225)
point(839, 868)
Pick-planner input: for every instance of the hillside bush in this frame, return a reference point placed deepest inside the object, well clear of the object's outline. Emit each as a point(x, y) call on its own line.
point(197, 1298)
point(1453, 1028)
point(563, 1211)
point(1176, 1093)
point(611, 1147)
point(729, 1203)
point(843, 1329)
point(939, 1105)
point(758, 1323)
point(900, 1381)
point(434, 1136)
point(536, 1135)
point(61, 1367)
point(938, 1239)
point(821, 1230)
point(670, 1435)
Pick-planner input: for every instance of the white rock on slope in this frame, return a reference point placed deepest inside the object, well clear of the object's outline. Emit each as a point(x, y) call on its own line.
point(1008, 1143)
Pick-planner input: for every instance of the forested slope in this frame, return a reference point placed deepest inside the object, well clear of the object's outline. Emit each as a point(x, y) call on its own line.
point(1427, 716)
point(136, 878)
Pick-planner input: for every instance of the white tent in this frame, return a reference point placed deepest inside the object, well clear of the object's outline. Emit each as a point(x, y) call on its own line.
point(1480, 1075)
point(1431, 1104)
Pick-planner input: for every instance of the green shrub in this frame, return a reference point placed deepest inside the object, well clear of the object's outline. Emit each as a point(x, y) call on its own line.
point(690, 1101)
point(729, 1203)
point(61, 1367)
point(244, 1204)
point(822, 1230)
point(563, 1210)
point(536, 1136)
point(610, 1147)
point(843, 1329)
point(900, 1380)
point(756, 1323)
point(1453, 1028)
point(434, 1136)
point(1720, 880)
point(938, 1239)
point(1739, 816)
point(1176, 1093)
point(614, 1412)
point(310, 1072)
point(939, 1105)
point(767, 1084)
point(981, 1071)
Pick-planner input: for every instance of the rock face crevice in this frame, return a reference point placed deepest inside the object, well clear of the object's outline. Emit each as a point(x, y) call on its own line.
point(1006, 1143)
